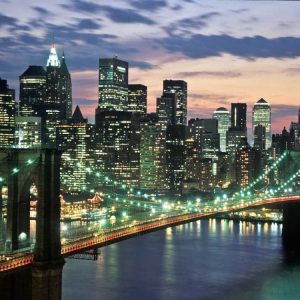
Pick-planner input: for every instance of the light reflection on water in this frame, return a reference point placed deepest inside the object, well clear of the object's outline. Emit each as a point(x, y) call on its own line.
point(207, 259)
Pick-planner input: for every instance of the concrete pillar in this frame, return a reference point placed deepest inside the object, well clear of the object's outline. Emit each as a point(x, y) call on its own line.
point(291, 227)
point(48, 262)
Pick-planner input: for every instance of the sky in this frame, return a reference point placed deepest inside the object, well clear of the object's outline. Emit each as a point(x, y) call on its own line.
point(227, 51)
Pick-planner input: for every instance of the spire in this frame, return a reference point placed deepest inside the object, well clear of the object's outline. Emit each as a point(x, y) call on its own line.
point(77, 116)
point(53, 60)
point(63, 66)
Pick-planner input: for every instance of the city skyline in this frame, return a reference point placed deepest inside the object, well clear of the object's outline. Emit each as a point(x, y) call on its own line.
point(239, 54)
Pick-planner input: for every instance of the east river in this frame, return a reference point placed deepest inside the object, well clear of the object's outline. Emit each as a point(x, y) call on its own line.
point(208, 259)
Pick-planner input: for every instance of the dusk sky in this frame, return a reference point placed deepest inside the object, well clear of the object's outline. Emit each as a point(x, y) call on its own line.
point(227, 51)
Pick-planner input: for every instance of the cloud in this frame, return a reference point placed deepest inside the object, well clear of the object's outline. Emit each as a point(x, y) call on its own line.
point(228, 74)
point(292, 71)
point(7, 21)
point(141, 65)
point(116, 15)
point(224, 99)
point(202, 46)
point(152, 5)
point(88, 24)
point(184, 25)
point(42, 11)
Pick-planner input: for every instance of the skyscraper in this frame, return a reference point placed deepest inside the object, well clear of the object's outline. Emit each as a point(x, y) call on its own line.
point(137, 98)
point(166, 108)
point(178, 87)
point(7, 114)
point(239, 116)
point(175, 158)
point(152, 167)
point(28, 133)
point(32, 91)
point(118, 136)
point(71, 138)
point(261, 115)
point(57, 106)
point(65, 85)
point(113, 84)
point(244, 164)
point(223, 117)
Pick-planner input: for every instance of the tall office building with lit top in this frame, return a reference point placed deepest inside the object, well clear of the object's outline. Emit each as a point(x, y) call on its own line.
point(57, 105)
point(113, 84)
point(261, 115)
point(7, 114)
point(178, 87)
point(223, 117)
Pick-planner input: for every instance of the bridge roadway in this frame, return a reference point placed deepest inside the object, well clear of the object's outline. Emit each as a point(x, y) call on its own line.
point(100, 239)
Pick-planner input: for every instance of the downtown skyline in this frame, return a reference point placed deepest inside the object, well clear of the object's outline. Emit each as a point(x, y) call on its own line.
point(226, 53)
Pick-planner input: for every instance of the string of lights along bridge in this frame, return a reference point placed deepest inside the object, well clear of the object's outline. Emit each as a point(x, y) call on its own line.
point(134, 211)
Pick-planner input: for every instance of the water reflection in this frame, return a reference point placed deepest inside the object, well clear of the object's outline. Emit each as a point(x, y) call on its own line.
point(207, 259)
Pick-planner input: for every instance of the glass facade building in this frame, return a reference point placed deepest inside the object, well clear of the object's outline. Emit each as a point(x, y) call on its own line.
point(261, 115)
point(223, 117)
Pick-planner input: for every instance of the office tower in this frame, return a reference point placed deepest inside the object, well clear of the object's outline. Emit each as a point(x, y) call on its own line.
point(234, 139)
point(239, 116)
point(118, 136)
point(152, 163)
point(7, 114)
point(178, 87)
point(281, 142)
point(166, 108)
point(223, 117)
point(65, 88)
point(260, 137)
point(192, 156)
point(207, 174)
point(52, 78)
point(175, 158)
point(137, 98)
point(244, 164)
point(210, 145)
point(261, 115)
point(72, 140)
point(205, 133)
point(28, 132)
point(113, 84)
point(58, 101)
point(32, 91)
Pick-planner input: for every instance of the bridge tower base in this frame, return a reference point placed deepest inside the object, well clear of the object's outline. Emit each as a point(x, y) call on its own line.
point(291, 228)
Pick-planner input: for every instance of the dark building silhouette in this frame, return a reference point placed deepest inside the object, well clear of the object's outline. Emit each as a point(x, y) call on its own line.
point(179, 88)
point(239, 116)
point(137, 98)
point(7, 114)
point(32, 91)
point(166, 108)
point(260, 137)
point(175, 157)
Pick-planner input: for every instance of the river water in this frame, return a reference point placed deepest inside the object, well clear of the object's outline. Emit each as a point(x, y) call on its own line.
point(207, 259)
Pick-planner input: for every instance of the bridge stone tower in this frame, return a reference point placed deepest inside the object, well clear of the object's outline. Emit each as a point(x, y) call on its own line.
point(24, 167)
point(291, 211)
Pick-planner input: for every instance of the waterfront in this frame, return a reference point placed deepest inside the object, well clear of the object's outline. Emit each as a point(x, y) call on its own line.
point(208, 259)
